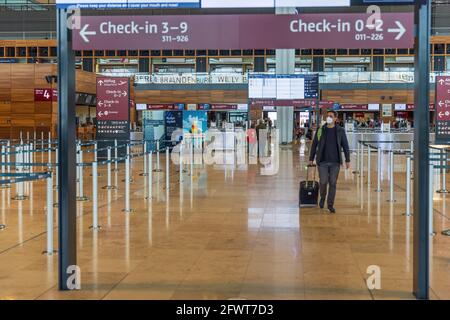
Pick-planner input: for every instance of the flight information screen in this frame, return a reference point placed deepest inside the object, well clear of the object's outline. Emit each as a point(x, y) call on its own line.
point(283, 87)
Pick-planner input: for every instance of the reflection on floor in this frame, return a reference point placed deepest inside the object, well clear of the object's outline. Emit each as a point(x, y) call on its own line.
point(225, 233)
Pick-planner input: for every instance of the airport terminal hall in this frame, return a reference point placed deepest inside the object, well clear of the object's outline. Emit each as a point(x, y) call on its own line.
point(224, 158)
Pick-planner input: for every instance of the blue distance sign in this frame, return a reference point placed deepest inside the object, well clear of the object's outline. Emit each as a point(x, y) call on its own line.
point(393, 2)
point(121, 4)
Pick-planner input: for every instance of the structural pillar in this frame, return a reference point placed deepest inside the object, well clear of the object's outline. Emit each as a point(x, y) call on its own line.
point(421, 151)
point(67, 252)
point(285, 64)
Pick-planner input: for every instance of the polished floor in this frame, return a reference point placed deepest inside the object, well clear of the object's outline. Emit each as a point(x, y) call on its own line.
point(225, 232)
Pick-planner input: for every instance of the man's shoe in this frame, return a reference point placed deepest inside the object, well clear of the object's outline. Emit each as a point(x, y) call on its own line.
point(331, 209)
point(321, 203)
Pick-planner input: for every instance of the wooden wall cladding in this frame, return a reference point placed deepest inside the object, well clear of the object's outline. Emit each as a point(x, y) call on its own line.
point(85, 82)
point(371, 96)
point(18, 110)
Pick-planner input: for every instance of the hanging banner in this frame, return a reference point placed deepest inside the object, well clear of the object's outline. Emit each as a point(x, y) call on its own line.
point(302, 31)
point(173, 124)
point(153, 122)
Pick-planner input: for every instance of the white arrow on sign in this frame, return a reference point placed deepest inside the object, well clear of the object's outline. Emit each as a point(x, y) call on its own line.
point(441, 103)
point(441, 82)
point(400, 30)
point(100, 114)
point(84, 32)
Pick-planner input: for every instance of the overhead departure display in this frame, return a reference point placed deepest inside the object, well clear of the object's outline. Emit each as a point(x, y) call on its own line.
point(283, 87)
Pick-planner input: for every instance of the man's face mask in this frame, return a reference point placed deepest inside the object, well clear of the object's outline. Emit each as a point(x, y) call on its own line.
point(330, 120)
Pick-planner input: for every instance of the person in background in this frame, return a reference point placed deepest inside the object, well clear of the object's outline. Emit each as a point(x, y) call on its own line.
point(326, 149)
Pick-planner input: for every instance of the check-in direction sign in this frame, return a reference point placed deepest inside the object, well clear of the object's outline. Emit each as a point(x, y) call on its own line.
point(353, 30)
point(443, 109)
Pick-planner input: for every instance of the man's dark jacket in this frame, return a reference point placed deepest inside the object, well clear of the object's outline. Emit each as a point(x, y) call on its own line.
point(318, 145)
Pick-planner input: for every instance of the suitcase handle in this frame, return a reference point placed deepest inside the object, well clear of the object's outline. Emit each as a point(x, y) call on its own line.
point(307, 173)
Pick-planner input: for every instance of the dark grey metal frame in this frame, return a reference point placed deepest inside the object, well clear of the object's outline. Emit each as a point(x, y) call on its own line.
point(421, 257)
point(67, 151)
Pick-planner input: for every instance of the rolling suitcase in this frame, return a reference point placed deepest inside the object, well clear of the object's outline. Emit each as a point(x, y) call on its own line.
point(309, 190)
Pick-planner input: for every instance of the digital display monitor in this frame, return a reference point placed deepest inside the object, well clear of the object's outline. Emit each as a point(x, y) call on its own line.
point(283, 87)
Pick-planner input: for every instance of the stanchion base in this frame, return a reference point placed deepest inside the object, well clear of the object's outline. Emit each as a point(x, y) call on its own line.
point(144, 174)
point(128, 211)
point(95, 228)
point(20, 198)
point(389, 200)
point(5, 186)
point(50, 253)
point(157, 170)
point(83, 198)
point(2, 227)
point(443, 191)
point(131, 180)
point(446, 233)
point(355, 172)
point(109, 187)
point(376, 190)
point(148, 198)
point(98, 175)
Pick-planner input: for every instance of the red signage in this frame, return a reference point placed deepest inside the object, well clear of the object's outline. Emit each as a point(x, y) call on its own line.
point(282, 103)
point(442, 109)
point(113, 98)
point(45, 95)
point(351, 107)
point(301, 31)
point(224, 107)
point(161, 107)
point(326, 104)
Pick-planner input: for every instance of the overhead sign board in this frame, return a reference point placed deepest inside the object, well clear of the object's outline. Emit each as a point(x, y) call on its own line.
point(442, 106)
point(352, 30)
point(121, 4)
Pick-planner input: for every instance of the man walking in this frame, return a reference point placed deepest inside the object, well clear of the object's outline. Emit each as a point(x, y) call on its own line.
point(326, 148)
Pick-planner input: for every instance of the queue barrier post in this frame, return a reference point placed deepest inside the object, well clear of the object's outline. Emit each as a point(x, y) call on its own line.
point(167, 171)
point(369, 155)
point(19, 168)
point(145, 172)
point(443, 172)
point(50, 224)
point(8, 156)
point(391, 176)
point(109, 185)
point(127, 183)
point(430, 203)
point(95, 225)
point(116, 169)
point(150, 175)
point(378, 170)
point(4, 186)
point(81, 197)
point(408, 186)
